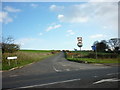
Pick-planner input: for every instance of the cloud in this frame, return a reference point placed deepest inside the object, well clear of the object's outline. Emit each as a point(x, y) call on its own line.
point(29, 43)
point(53, 27)
point(97, 36)
point(23, 41)
point(102, 13)
point(70, 32)
point(56, 8)
point(4, 18)
point(72, 19)
point(34, 5)
point(11, 9)
point(40, 34)
point(4, 15)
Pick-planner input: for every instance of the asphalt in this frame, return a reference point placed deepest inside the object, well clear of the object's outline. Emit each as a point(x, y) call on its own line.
point(57, 72)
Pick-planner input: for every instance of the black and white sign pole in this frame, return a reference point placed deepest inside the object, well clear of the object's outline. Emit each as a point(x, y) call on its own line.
point(79, 44)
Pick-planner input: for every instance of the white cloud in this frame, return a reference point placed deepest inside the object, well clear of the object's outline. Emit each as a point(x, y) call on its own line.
point(23, 41)
point(11, 9)
point(29, 43)
point(56, 8)
point(97, 36)
point(40, 34)
point(34, 5)
point(102, 13)
point(53, 27)
point(4, 18)
point(52, 7)
point(70, 32)
point(72, 19)
point(4, 15)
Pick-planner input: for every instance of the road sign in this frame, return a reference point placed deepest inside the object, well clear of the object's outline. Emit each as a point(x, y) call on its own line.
point(11, 57)
point(93, 47)
point(79, 44)
point(79, 39)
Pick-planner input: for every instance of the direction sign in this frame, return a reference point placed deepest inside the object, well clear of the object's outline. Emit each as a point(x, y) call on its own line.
point(12, 57)
point(93, 47)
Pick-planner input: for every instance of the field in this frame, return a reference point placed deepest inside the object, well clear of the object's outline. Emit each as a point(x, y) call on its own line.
point(24, 57)
point(91, 57)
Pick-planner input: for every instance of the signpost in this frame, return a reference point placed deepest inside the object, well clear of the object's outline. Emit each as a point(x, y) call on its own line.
point(79, 44)
point(12, 58)
point(95, 49)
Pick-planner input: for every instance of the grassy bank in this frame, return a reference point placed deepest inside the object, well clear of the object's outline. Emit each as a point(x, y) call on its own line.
point(24, 57)
point(90, 57)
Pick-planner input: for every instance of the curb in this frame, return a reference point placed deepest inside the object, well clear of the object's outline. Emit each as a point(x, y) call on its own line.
point(16, 68)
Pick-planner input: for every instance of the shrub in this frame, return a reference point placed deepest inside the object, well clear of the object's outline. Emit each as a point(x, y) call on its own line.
point(102, 55)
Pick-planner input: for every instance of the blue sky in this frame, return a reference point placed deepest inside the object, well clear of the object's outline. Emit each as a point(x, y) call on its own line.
point(56, 25)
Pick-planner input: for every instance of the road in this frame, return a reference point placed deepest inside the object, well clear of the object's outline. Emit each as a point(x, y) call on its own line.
point(57, 72)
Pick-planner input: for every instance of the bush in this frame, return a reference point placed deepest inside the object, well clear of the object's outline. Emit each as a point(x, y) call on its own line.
point(102, 55)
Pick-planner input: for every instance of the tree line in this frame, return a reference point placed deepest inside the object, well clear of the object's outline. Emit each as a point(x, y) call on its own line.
point(112, 45)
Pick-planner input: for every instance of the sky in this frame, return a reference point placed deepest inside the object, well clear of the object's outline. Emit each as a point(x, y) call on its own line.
point(56, 25)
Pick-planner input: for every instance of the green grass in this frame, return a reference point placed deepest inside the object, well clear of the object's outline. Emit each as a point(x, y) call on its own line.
point(24, 57)
point(36, 51)
point(93, 60)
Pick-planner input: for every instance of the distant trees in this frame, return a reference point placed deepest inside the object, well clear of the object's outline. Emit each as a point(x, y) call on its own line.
point(112, 45)
point(101, 46)
point(8, 45)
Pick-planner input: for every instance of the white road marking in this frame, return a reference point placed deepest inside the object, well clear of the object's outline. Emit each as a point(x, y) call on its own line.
point(95, 76)
point(107, 80)
point(13, 75)
point(63, 65)
point(67, 69)
point(49, 83)
point(112, 73)
point(56, 69)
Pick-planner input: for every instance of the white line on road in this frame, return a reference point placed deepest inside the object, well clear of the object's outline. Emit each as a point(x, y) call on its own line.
point(63, 65)
point(49, 83)
point(95, 76)
point(67, 69)
point(112, 73)
point(56, 69)
point(13, 75)
point(107, 80)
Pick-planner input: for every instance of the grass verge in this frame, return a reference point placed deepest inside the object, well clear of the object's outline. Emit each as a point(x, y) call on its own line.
point(92, 60)
point(89, 57)
point(24, 58)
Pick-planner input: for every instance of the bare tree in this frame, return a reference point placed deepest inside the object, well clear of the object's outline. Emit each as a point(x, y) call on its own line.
point(8, 45)
point(115, 44)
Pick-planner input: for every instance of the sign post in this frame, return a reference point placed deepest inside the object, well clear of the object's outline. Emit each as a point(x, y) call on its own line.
point(95, 49)
point(79, 44)
point(12, 58)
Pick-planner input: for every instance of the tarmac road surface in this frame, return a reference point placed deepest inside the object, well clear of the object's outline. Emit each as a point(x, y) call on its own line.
point(57, 72)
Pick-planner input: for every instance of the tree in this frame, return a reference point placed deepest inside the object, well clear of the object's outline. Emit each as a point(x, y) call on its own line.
point(8, 45)
point(101, 46)
point(115, 44)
